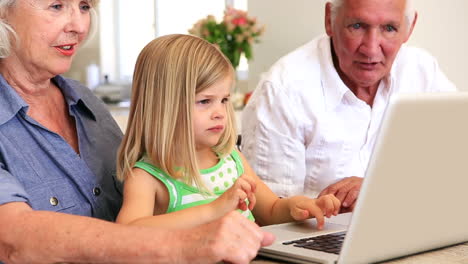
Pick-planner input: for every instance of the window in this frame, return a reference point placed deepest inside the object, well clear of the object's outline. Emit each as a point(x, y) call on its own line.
point(126, 27)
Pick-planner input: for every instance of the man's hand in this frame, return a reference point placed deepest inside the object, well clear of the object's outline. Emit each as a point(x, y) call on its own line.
point(232, 238)
point(346, 190)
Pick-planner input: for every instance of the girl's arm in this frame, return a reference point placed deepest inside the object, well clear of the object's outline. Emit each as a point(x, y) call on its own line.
point(146, 198)
point(270, 209)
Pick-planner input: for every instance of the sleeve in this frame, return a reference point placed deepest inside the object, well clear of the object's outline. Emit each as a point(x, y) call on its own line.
point(272, 141)
point(11, 190)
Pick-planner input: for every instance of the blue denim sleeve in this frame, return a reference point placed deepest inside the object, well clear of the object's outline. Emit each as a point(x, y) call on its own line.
point(11, 189)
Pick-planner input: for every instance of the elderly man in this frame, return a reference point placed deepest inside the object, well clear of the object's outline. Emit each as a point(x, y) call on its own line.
point(311, 123)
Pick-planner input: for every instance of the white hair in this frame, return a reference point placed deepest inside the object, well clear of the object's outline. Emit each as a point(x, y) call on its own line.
point(5, 30)
point(410, 12)
point(7, 33)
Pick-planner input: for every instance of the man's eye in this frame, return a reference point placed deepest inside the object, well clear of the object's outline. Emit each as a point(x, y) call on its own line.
point(356, 26)
point(390, 28)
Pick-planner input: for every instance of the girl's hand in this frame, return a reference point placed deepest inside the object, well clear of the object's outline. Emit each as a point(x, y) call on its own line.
point(234, 197)
point(302, 207)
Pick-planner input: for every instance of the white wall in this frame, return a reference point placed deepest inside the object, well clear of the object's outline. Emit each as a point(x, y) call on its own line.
point(441, 29)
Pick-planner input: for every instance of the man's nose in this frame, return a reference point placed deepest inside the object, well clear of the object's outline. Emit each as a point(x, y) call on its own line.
point(371, 43)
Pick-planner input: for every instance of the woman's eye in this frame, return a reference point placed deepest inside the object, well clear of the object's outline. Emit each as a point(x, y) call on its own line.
point(56, 6)
point(225, 100)
point(85, 7)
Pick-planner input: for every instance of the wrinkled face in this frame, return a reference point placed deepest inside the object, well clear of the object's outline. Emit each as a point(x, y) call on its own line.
point(49, 33)
point(367, 35)
point(210, 113)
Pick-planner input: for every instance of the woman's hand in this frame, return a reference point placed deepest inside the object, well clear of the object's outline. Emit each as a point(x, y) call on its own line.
point(302, 207)
point(235, 197)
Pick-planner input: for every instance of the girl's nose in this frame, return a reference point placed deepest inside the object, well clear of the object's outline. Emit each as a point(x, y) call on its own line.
point(219, 112)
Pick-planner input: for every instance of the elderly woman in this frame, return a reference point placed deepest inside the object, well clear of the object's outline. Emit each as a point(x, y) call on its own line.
point(57, 157)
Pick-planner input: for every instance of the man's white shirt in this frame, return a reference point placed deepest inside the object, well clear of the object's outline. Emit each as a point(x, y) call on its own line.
point(303, 129)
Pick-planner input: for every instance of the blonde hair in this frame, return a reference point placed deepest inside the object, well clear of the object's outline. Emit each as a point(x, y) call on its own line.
point(169, 71)
point(7, 33)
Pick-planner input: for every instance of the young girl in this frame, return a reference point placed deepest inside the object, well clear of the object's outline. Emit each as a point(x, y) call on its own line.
point(178, 158)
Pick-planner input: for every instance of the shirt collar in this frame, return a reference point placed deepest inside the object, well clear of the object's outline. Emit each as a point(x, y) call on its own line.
point(12, 102)
point(334, 89)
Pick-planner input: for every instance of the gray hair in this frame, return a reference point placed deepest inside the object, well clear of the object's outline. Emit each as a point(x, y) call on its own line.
point(7, 32)
point(410, 12)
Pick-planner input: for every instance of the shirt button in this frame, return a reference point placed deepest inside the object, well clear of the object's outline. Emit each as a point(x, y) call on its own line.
point(96, 191)
point(53, 201)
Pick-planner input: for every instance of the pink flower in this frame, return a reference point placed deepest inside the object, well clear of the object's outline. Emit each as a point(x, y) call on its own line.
point(239, 21)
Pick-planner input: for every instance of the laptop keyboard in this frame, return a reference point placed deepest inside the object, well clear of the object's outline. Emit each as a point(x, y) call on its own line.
point(330, 243)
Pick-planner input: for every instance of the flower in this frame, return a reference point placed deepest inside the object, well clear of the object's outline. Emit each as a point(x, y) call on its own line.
point(234, 35)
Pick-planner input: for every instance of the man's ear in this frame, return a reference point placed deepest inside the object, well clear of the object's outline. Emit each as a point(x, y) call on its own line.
point(328, 22)
point(413, 23)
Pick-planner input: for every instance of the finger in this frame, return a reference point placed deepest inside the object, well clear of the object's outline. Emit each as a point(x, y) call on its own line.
point(268, 239)
point(352, 191)
point(299, 214)
point(321, 204)
point(330, 207)
point(330, 210)
point(245, 185)
point(250, 181)
point(320, 220)
point(255, 233)
point(248, 235)
point(344, 189)
point(242, 205)
point(351, 197)
point(342, 193)
point(337, 205)
point(247, 188)
point(252, 200)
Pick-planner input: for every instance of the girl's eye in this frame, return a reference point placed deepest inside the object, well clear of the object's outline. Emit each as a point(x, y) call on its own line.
point(225, 100)
point(204, 101)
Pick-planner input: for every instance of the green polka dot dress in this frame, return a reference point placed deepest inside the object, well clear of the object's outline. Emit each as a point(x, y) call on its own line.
point(217, 179)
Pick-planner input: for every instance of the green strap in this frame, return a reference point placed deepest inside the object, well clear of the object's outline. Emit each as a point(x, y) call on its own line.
point(240, 168)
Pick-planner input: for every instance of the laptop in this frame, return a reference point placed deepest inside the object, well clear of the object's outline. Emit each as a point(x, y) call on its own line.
point(413, 198)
